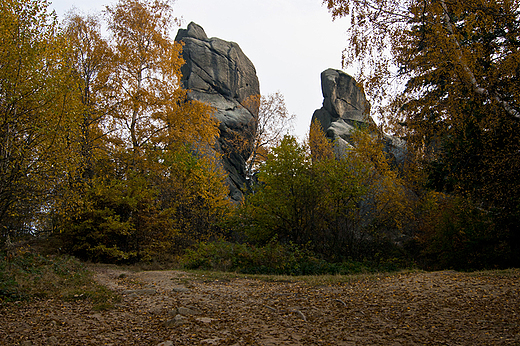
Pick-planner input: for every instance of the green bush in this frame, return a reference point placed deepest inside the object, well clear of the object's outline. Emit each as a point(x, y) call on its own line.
point(351, 208)
point(273, 258)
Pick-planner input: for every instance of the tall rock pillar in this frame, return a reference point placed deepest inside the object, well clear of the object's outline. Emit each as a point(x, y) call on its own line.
point(345, 108)
point(218, 73)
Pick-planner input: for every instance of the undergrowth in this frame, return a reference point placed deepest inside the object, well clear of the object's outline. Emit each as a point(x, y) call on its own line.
point(25, 275)
point(273, 259)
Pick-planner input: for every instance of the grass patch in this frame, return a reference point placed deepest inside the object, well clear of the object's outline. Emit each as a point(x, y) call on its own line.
point(310, 280)
point(25, 275)
point(513, 273)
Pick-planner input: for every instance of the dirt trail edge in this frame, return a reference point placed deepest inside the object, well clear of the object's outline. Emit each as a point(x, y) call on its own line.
point(177, 308)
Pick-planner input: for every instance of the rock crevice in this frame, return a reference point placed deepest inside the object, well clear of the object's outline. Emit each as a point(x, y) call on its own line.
point(218, 73)
point(345, 109)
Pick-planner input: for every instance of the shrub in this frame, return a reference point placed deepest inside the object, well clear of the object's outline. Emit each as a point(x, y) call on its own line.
point(274, 258)
point(456, 234)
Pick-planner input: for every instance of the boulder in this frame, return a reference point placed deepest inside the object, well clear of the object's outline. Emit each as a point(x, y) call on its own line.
point(218, 73)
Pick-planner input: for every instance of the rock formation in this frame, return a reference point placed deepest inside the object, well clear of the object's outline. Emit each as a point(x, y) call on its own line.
point(218, 73)
point(346, 108)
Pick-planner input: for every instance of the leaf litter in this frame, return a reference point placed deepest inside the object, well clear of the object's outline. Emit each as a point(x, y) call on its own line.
point(437, 308)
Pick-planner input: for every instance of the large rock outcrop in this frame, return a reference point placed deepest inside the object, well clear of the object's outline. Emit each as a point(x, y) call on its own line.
point(346, 108)
point(218, 73)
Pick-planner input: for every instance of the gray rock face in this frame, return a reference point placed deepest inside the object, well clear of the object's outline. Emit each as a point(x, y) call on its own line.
point(346, 108)
point(218, 73)
point(343, 98)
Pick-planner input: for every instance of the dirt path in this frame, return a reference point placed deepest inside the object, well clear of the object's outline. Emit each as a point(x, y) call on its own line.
point(176, 308)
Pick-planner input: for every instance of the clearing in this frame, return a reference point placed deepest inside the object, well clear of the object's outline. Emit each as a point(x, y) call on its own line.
point(179, 308)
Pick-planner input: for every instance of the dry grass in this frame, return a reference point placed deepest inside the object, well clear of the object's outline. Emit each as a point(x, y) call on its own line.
point(26, 275)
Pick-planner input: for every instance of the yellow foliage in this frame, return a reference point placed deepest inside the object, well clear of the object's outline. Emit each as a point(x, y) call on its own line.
point(152, 107)
point(443, 75)
point(99, 135)
point(321, 148)
point(35, 114)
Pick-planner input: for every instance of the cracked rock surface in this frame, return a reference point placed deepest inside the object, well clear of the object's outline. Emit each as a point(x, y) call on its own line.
point(346, 108)
point(218, 73)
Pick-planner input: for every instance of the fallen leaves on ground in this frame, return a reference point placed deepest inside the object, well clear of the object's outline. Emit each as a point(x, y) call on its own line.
point(437, 308)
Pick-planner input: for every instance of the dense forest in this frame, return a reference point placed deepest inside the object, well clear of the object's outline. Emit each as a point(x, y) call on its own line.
point(103, 156)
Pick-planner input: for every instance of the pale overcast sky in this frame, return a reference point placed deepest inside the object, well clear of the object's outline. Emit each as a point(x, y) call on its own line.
point(290, 42)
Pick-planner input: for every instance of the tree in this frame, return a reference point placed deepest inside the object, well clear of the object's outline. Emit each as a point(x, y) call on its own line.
point(457, 64)
point(155, 121)
point(92, 66)
point(117, 221)
point(134, 216)
point(35, 114)
point(272, 123)
point(153, 188)
point(283, 204)
point(194, 189)
point(341, 232)
point(320, 146)
point(343, 208)
point(422, 39)
point(152, 107)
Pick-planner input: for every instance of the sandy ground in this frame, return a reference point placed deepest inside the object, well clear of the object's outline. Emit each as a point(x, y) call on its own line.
point(176, 308)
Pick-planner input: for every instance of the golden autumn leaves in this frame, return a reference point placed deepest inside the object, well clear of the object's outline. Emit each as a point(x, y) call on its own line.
point(444, 75)
point(98, 137)
point(101, 146)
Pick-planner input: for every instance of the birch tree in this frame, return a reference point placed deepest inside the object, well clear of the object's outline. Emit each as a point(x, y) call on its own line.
point(273, 122)
point(35, 113)
point(91, 61)
point(152, 107)
point(387, 40)
point(444, 74)
point(151, 192)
